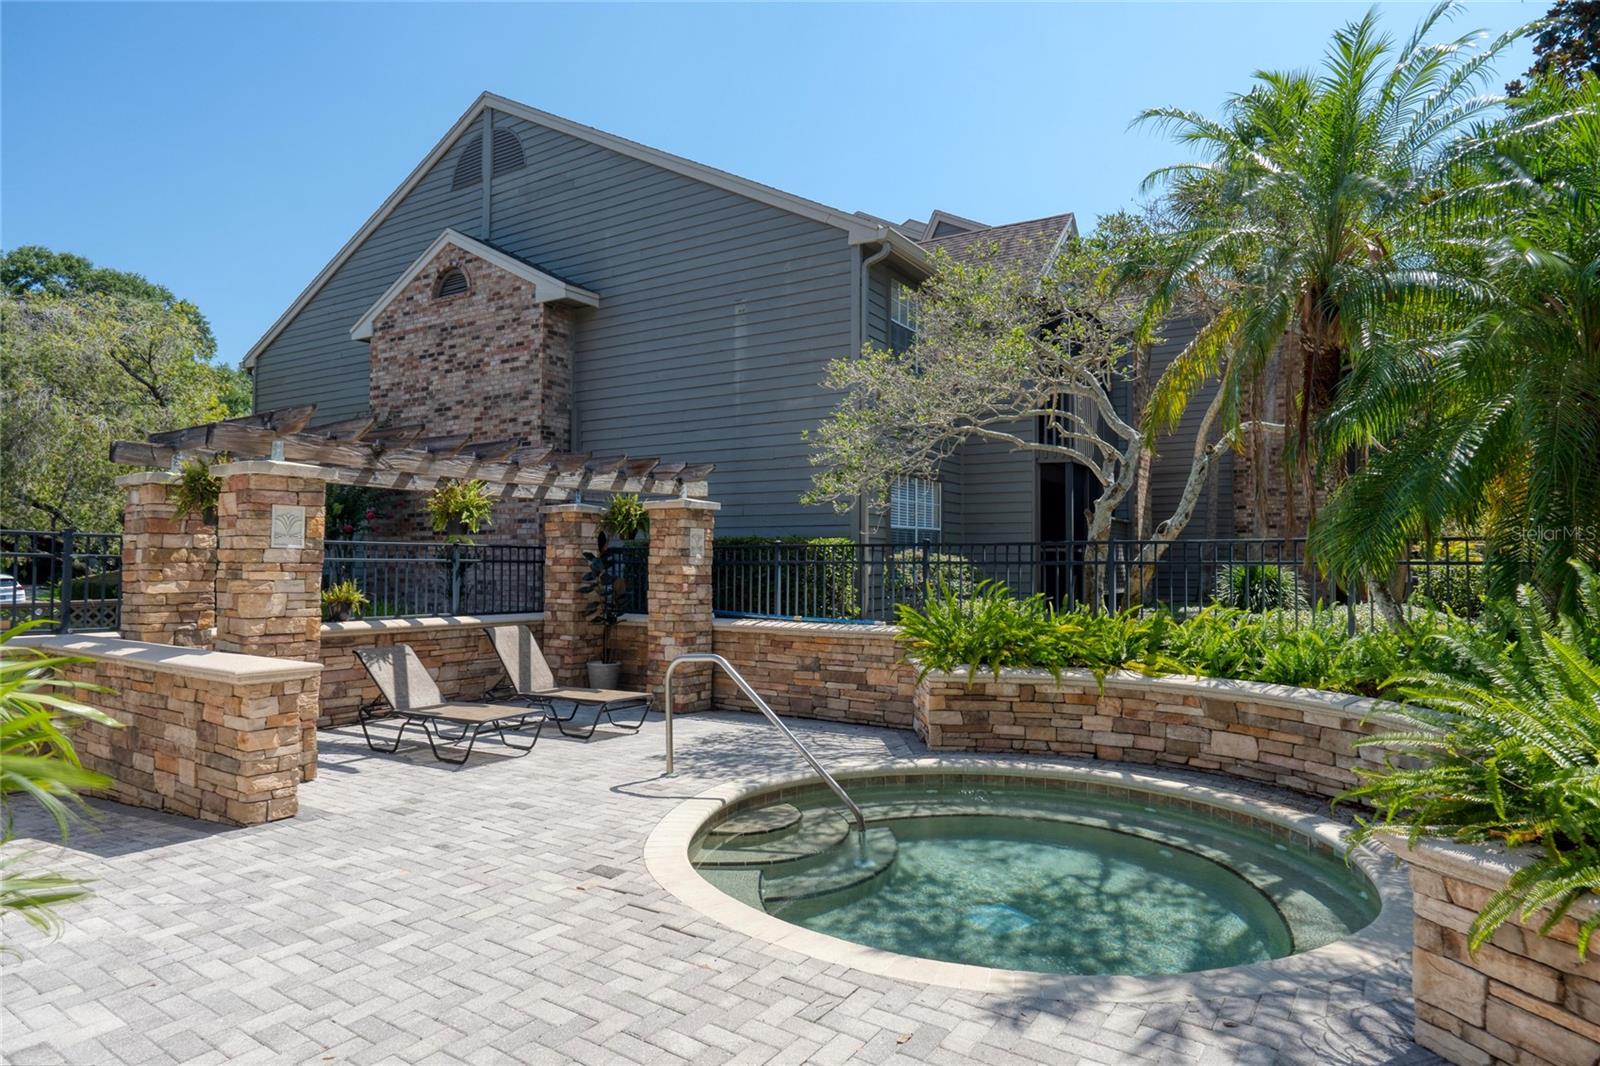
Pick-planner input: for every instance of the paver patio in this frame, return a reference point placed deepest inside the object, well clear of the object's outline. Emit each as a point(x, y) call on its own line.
point(502, 913)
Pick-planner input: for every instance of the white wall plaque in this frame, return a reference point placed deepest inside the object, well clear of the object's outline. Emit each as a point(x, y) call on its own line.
point(288, 526)
point(697, 545)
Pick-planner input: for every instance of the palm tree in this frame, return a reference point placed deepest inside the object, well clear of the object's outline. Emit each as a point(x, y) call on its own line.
point(1301, 213)
point(1478, 396)
point(38, 761)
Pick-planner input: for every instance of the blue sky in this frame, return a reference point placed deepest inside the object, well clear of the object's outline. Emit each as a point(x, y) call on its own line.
point(228, 150)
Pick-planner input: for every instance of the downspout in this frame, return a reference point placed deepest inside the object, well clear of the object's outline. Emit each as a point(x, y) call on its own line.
point(864, 295)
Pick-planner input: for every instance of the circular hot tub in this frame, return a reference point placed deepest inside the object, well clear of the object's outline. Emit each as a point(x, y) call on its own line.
point(1028, 869)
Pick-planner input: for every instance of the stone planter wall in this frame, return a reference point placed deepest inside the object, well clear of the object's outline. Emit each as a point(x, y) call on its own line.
point(210, 735)
point(455, 650)
point(1301, 739)
point(1523, 998)
point(839, 673)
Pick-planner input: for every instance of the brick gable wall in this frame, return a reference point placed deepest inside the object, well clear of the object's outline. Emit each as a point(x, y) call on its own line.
point(489, 363)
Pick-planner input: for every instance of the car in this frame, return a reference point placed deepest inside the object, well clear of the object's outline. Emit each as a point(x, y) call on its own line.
point(11, 590)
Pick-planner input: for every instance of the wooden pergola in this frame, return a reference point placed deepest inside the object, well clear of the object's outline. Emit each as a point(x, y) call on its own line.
point(359, 451)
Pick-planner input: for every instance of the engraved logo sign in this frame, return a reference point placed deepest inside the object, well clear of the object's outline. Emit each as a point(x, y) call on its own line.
point(288, 526)
point(697, 545)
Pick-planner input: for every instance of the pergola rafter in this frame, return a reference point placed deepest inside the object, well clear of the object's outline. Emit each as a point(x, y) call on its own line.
point(358, 451)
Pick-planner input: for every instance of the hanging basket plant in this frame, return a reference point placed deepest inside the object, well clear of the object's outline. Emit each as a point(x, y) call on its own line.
point(626, 517)
point(459, 508)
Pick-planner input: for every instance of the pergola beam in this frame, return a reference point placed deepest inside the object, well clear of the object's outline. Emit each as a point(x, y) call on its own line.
point(357, 451)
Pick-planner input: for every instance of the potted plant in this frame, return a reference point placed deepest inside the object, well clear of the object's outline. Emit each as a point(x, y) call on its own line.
point(197, 491)
point(603, 587)
point(458, 508)
point(343, 599)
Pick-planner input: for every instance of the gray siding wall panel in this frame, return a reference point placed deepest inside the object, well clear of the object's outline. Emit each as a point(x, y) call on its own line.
point(717, 315)
point(314, 360)
point(1213, 517)
point(998, 488)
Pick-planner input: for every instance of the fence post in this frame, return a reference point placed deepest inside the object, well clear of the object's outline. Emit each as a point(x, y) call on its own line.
point(455, 577)
point(1111, 576)
point(64, 622)
point(926, 576)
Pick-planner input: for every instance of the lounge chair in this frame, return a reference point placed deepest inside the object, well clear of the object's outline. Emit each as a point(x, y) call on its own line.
point(411, 694)
point(529, 678)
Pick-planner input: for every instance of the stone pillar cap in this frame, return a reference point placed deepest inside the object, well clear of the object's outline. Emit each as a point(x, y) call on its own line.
point(682, 502)
point(276, 467)
point(147, 477)
point(574, 508)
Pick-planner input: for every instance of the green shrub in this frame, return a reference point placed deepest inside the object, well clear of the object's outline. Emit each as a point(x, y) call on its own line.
point(1366, 662)
point(1258, 587)
point(822, 588)
point(1503, 745)
point(1455, 584)
point(912, 576)
point(990, 629)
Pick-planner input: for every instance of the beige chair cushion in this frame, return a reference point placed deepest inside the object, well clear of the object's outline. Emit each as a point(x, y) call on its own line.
point(401, 677)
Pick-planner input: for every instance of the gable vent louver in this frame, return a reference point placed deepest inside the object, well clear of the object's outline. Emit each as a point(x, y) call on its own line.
point(507, 153)
point(452, 282)
point(469, 164)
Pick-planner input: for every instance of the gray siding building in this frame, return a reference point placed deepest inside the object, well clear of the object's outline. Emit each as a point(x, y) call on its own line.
point(712, 305)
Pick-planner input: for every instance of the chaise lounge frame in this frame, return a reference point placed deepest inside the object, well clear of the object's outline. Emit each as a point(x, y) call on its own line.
point(408, 692)
point(530, 679)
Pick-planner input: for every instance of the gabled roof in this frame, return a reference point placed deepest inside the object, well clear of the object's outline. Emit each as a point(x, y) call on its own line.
point(1030, 245)
point(860, 229)
point(547, 288)
point(952, 225)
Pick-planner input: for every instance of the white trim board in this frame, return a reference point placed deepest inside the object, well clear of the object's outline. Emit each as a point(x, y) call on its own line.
point(547, 288)
point(858, 228)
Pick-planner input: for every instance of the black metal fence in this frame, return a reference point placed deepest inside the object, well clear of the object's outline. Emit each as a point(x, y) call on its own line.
point(404, 578)
point(72, 580)
point(868, 582)
point(630, 561)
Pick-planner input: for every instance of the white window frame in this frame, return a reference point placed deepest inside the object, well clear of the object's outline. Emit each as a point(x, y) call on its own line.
point(916, 507)
point(904, 307)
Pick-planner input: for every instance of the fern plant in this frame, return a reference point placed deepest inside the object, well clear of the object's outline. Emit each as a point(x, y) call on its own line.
point(197, 491)
point(1504, 746)
point(986, 629)
point(460, 505)
point(1257, 587)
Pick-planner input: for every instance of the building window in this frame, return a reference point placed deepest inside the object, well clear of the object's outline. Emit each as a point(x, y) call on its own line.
point(913, 510)
point(452, 282)
point(904, 316)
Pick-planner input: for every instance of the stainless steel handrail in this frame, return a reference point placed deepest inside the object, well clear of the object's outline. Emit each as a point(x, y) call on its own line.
point(761, 705)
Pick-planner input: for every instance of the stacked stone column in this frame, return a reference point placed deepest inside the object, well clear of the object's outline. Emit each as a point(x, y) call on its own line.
point(681, 532)
point(269, 599)
point(169, 566)
point(570, 639)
